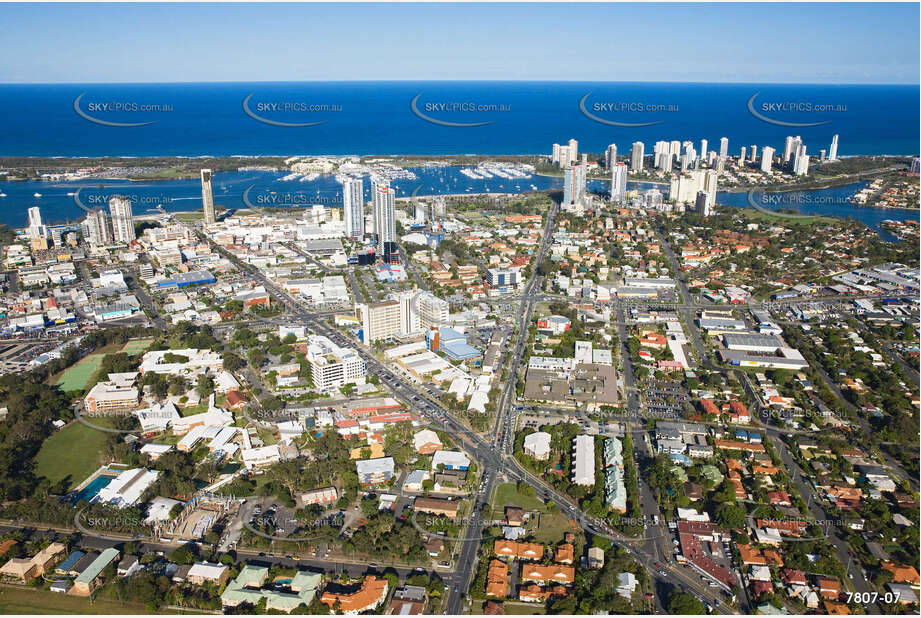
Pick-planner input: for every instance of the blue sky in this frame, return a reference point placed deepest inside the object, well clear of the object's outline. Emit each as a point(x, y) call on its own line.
point(786, 43)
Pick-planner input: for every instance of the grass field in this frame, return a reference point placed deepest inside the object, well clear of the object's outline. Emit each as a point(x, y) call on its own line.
point(30, 601)
point(552, 526)
point(507, 495)
point(74, 452)
point(76, 377)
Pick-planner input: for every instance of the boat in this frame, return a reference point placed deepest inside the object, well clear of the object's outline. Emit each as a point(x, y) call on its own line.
point(37, 194)
point(70, 193)
point(2, 194)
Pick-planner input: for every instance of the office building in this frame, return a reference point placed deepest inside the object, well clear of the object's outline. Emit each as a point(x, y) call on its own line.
point(332, 366)
point(379, 321)
point(724, 148)
point(353, 207)
point(122, 219)
point(430, 311)
point(636, 157)
point(207, 197)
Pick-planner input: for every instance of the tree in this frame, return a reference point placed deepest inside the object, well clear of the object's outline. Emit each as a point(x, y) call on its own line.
point(204, 385)
point(731, 515)
point(682, 603)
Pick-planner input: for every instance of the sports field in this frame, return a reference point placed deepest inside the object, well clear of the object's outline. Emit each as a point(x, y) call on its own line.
point(76, 377)
point(136, 346)
point(73, 452)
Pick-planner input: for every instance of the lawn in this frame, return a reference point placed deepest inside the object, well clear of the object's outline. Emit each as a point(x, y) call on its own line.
point(552, 526)
point(507, 495)
point(73, 453)
point(30, 601)
point(201, 408)
point(77, 376)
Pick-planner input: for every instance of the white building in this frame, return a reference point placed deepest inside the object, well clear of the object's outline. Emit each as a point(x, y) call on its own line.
point(767, 159)
point(207, 197)
point(127, 487)
point(353, 207)
point(122, 219)
point(618, 182)
point(636, 157)
point(332, 366)
point(583, 468)
point(537, 445)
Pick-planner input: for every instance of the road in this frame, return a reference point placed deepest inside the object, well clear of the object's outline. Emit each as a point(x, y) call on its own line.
point(490, 458)
point(806, 490)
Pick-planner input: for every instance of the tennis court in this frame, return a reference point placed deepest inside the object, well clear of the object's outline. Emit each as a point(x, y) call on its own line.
point(136, 346)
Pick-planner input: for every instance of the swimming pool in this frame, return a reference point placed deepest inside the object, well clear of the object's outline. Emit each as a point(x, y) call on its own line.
point(93, 488)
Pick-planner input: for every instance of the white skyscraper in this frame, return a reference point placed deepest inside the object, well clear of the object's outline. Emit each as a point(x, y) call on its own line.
point(574, 186)
point(703, 149)
point(790, 146)
point(207, 197)
point(98, 232)
point(36, 229)
point(724, 147)
point(636, 157)
point(801, 161)
point(353, 207)
point(833, 149)
point(610, 156)
point(664, 161)
point(122, 219)
point(619, 183)
point(384, 221)
point(753, 153)
point(743, 152)
point(767, 159)
point(684, 188)
point(555, 154)
point(573, 151)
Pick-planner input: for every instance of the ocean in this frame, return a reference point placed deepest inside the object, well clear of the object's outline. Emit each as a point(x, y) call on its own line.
point(430, 118)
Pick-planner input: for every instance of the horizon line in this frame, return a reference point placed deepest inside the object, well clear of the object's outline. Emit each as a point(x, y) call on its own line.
point(490, 81)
